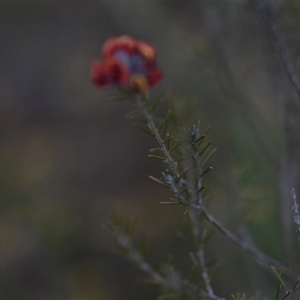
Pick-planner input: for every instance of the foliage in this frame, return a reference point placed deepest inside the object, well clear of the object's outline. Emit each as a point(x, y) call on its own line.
point(185, 157)
point(185, 152)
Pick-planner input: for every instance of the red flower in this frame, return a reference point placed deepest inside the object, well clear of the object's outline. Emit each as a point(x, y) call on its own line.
point(110, 71)
point(127, 63)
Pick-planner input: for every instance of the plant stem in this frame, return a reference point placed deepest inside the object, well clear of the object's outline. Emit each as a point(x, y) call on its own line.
point(194, 211)
point(143, 108)
point(289, 173)
point(270, 24)
point(175, 283)
point(170, 161)
point(258, 255)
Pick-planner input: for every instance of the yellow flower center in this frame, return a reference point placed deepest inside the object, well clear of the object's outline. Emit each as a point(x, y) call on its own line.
point(139, 82)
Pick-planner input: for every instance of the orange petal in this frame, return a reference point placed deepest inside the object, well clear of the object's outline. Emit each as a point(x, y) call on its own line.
point(123, 42)
point(146, 50)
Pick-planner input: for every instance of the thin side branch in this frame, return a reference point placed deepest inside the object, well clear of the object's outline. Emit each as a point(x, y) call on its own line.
point(174, 281)
point(154, 129)
point(258, 255)
point(270, 25)
point(293, 290)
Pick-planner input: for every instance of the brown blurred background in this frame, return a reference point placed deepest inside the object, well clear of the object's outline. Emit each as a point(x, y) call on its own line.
point(68, 158)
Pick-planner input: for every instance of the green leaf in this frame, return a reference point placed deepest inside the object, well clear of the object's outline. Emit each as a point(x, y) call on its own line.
point(183, 191)
point(169, 202)
point(129, 227)
point(133, 114)
point(157, 157)
point(278, 288)
point(155, 149)
point(176, 146)
point(168, 140)
point(194, 259)
point(186, 240)
point(153, 103)
point(206, 171)
point(180, 159)
point(164, 123)
point(142, 248)
point(168, 296)
point(148, 131)
point(205, 148)
point(202, 188)
point(206, 235)
point(159, 181)
point(208, 156)
point(186, 211)
point(181, 175)
point(136, 120)
point(207, 129)
point(214, 265)
point(200, 140)
point(279, 277)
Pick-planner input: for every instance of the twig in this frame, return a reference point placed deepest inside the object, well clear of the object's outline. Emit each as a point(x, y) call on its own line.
point(154, 129)
point(126, 243)
point(197, 233)
point(195, 186)
point(258, 255)
point(295, 210)
point(174, 282)
point(270, 24)
point(293, 290)
point(266, 14)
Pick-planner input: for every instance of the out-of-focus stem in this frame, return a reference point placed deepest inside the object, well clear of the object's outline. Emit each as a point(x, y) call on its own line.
point(270, 24)
point(258, 255)
point(174, 282)
point(289, 175)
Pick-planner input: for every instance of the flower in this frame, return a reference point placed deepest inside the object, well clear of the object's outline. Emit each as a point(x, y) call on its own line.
point(127, 63)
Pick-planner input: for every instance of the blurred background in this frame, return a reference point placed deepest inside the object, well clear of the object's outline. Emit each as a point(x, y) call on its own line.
point(68, 158)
